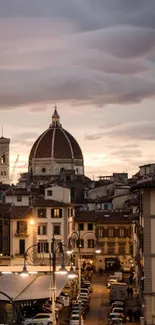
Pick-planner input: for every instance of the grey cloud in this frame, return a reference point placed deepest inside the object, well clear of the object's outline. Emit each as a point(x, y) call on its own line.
point(78, 52)
point(139, 131)
point(127, 153)
point(122, 41)
point(76, 84)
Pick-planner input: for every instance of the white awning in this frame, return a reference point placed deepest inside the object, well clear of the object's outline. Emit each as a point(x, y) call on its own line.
point(29, 288)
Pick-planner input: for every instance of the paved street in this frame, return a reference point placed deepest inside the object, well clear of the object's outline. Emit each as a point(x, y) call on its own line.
point(99, 306)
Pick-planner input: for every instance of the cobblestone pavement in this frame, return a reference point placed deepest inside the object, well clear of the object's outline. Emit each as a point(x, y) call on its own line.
point(99, 306)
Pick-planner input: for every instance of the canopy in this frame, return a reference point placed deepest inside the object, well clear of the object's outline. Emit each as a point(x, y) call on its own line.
point(29, 288)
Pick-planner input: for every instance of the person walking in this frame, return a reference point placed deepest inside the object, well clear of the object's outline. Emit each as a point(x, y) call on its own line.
point(131, 292)
point(128, 291)
point(130, 314)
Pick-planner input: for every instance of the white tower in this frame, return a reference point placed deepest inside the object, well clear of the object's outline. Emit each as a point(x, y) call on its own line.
point(4, 160)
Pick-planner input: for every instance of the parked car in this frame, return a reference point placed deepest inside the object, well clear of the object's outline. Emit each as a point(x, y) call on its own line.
point(116, 315)
point(118, 310)
point(118, 304)
point(84, 295)
point(116, 321)
point(112, 279)
point(45, 319)
point(75, 320)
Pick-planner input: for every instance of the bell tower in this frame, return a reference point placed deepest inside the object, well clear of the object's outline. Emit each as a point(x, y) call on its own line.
point(4, 160)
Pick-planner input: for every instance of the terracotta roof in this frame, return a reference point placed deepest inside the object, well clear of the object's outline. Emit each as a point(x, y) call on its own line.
point(41, 202)
point(21, 212)
point(144, 184)
point(17, 191)
point(56, 143)
point(7, 210)
point(102, 216)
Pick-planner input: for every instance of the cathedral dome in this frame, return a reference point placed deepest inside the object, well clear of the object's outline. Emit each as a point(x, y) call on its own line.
point(56, 145)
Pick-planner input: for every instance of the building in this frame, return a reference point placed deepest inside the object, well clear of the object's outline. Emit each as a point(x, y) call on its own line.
point(54, 151)
point(4, 160)
point(33, 216)
point(54, 213)
point(146, 253)
point(113, 231)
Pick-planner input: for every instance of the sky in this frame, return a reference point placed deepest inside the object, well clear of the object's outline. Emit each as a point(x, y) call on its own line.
point(94, 59)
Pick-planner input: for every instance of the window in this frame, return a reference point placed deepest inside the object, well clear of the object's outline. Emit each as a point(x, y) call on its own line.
point(6, 222)
point(21, 227)
point(121, 232)
point(106, 206)
point(3, 159)
point(71, 212)
point(111, 248)
point(81, 226)
point(43, 247)
point(131, 249)
point(110, 232)
point(4, 173)
point(49, 193)
point(91, 243)
point(19, 198)
point(21, 246)
point(56, 213)
point(41, 213)
point(122, 250)
point(100, 232)
point(42, 229)
point(90, 226)
point(56, 230)
point(1, 172)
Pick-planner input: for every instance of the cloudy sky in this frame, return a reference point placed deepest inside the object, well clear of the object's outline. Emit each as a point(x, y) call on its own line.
point(95, 59)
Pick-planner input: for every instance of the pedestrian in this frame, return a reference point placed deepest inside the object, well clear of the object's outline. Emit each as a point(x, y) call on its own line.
point(128, 291)
point(130, 314)
point(135, 315)
point(138, 314)
point(101, 271)
point(131, 292)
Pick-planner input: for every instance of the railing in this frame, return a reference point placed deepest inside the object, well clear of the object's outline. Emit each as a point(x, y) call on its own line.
point(21, 234)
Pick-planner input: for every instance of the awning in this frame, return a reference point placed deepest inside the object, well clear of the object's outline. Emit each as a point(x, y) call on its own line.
point(30, 288)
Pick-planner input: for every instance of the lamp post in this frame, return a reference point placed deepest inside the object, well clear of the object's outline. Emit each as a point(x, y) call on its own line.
point(79, 238)
point(38, 258)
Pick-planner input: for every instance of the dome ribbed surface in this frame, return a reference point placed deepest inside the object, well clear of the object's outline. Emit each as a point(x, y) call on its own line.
point(56, 143)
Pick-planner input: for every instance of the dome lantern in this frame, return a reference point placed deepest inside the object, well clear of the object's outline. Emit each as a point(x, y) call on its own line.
point(55, 118)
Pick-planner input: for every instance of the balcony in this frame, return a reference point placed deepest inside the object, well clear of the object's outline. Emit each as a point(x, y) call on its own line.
point(21, 234)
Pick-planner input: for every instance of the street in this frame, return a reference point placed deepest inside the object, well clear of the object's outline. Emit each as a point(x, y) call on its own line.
point(99, 306)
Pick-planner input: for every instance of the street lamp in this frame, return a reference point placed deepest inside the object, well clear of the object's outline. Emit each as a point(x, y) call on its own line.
point(37, 259)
